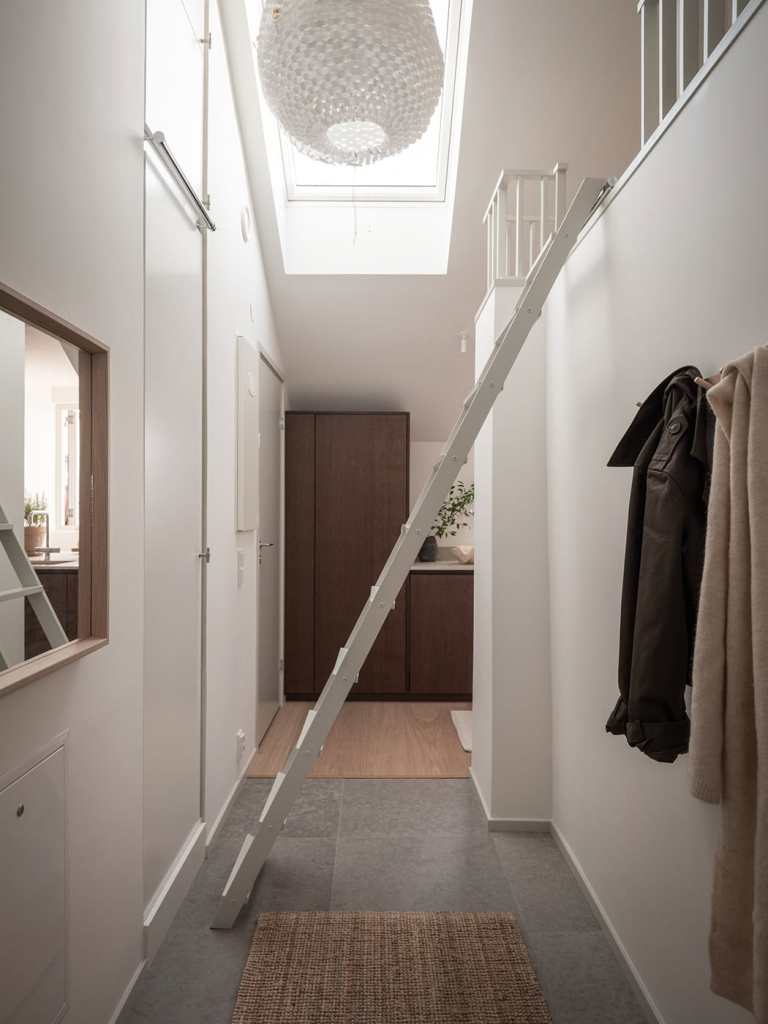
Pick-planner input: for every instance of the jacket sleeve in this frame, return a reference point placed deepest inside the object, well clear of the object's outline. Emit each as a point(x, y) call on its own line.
point(657, 721)
point(707, 728)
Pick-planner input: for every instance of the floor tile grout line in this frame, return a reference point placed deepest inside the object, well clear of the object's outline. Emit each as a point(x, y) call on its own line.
point(336, 843)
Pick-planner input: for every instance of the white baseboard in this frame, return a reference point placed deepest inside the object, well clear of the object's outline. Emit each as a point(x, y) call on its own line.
point(168, 898)
point(519, 825)
point(163, 906)
point(480, 794)
point(508, 824)
point(214, 829)
point(126, 994)
point(645, 999)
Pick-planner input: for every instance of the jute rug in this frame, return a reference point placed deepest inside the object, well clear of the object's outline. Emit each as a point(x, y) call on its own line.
point(396, 968)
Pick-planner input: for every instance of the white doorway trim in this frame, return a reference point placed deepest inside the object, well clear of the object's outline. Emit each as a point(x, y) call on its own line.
point(267, 364)
point(281, 612)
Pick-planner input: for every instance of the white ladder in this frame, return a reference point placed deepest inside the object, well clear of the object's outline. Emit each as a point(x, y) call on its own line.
point(351, 657)
point(29, 587)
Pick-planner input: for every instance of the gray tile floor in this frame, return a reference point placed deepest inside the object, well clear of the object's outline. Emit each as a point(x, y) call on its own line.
point(369, 845)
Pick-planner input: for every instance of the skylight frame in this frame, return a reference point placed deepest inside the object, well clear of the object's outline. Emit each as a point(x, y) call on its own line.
point(310, 195)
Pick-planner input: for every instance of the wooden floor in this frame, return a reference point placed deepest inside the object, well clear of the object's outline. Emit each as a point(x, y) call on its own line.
point(372, 740)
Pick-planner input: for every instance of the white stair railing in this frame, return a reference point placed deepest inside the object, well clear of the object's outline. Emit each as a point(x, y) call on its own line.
point(677, 39)
point(526, 208)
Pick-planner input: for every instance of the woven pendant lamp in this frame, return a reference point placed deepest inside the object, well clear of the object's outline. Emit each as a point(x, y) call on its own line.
point(351, 81)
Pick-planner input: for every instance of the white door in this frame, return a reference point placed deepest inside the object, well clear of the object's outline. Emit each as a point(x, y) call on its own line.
point(173, 526)
point(269, 548)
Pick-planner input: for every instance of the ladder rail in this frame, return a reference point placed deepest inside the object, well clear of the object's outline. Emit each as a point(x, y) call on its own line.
point(30, 587)
point(256, 847)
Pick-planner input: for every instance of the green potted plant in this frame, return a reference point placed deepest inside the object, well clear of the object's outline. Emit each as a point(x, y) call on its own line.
point(34, 522)
point(453, 515)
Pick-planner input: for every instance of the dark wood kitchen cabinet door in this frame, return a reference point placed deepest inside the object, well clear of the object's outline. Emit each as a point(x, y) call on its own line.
point(361, 501)
point(299, 661)
point(441, 634)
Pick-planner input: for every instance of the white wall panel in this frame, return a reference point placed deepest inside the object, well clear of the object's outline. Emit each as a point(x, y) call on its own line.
point(674, 272)
point(33, 869)
point(71, 165)
point(175, 80)
point(11, 476)
point(512, 742)
point(238, 306)
point(173, 410)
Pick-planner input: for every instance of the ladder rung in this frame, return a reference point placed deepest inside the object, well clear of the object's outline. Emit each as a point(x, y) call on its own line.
point(9, 595)
point(6, 527)
point(307, 723)
point(279, 779)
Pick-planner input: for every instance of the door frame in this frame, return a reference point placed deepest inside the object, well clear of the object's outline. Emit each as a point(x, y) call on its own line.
point(267, 363)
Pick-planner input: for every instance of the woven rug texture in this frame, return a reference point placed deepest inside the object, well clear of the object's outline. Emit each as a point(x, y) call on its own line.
point(388, 968)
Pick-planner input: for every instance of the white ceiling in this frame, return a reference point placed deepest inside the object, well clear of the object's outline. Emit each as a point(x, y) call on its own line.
point(548, 80)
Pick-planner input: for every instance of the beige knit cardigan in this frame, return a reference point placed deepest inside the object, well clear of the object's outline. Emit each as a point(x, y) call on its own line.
point(729, 738)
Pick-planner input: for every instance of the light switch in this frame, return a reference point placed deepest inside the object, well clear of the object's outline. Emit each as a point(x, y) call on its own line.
point(240, 567)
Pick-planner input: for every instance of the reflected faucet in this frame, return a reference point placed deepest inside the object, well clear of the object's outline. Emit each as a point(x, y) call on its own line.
point(47, 550)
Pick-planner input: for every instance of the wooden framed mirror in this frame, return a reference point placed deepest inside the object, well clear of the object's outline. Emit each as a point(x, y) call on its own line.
point(54, 381)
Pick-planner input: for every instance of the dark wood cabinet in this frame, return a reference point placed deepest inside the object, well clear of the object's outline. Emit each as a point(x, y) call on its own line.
point(299, 657)
point(62, 587)
point(346, 497)
point(440, 634)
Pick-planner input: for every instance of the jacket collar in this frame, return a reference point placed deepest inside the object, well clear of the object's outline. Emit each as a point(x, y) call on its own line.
point(650, 414)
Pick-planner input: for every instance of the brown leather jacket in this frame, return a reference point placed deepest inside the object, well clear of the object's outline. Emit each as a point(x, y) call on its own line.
point(669, 444)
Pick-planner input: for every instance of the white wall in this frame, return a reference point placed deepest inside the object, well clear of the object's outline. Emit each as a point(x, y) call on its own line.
point(511, 722)
point(72, 170)
point(11, 476)
point(238, 304)
point(422, 457)
point(173, 453)
point(674, 272)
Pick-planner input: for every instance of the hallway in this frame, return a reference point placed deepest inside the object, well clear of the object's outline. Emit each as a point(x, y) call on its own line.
point(374, 845)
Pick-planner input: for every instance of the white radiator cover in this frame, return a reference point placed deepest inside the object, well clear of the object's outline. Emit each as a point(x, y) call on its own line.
point(33, 874)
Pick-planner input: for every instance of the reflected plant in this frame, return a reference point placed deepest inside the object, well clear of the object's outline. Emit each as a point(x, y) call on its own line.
point(33, 506)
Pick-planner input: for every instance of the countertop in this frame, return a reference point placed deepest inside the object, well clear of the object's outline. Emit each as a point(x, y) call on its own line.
point(58, 563)
point(443, 565)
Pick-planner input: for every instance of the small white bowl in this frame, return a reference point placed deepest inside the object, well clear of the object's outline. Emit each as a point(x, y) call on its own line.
point(465, 553)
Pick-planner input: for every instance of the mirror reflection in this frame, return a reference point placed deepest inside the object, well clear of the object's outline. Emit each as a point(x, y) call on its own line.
point(39, 491)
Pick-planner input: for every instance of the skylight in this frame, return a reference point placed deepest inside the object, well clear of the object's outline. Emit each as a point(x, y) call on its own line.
point(390, 217)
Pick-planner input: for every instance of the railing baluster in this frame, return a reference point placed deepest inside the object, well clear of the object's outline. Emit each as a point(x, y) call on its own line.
point(560, 193)
point(519, 227)
point(531, 243)
point(495, 237)
point(497, 229)
point(668, 79)
point(488, 254)
point(714, 24)
point(688, 54)
point(516, 237)
point(542, 210)
point(503, 232)
point(649, 68)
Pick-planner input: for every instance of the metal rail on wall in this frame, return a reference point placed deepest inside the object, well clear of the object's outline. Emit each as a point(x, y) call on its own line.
point(160, 146)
